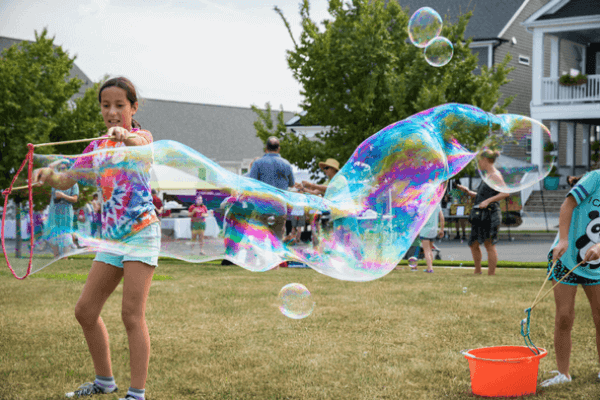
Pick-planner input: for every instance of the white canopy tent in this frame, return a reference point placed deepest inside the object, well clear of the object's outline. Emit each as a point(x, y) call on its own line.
point(174, 181)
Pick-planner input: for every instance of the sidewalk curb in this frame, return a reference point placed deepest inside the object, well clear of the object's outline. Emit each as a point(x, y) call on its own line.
point(527, 236)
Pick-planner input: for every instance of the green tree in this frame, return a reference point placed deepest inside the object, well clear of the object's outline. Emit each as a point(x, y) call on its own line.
point(359, 73)
point(78, 120)
point(33, 90)
point(291, 145)
point(34, 104)
point(34, 94)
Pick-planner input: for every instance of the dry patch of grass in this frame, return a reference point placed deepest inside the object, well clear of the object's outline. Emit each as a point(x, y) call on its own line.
point(217, 334)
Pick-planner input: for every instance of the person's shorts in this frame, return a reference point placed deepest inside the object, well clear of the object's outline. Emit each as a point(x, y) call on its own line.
point(144, 247)
point(198, 226)
point(573, 279)
point(298, 221)
point(427, 238)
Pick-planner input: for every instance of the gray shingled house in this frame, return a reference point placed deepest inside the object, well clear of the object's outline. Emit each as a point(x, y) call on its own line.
point(222, 133)
point(566, 41)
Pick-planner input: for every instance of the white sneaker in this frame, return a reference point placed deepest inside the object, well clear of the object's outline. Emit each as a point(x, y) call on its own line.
point(559, 378)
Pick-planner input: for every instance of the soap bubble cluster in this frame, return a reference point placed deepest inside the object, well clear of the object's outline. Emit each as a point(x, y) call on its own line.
point(424, 28)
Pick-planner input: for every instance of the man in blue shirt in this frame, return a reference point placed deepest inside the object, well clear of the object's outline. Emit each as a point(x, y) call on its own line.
point(272, 168)
point(276, 171)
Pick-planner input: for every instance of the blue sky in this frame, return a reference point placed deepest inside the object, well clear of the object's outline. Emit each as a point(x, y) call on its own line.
point(225, 52)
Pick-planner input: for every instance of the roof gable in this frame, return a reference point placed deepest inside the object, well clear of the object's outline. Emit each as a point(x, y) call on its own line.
point(490, 17)
point(571, 8)
point(561, 9)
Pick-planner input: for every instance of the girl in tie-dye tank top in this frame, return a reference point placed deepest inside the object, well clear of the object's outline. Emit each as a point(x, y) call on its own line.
point(128, 220)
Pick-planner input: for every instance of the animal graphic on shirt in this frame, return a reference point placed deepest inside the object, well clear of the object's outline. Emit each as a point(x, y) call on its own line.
point(591, 237)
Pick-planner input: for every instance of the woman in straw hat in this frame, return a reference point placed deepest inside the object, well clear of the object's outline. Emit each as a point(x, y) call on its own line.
point(330, 168)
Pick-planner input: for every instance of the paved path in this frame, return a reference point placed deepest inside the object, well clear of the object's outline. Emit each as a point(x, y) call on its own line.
point(524, 247)
point(530, 249)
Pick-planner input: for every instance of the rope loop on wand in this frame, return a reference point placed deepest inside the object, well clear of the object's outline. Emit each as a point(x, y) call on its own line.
point(28, 160)
point(525, 331)
point(6, 192)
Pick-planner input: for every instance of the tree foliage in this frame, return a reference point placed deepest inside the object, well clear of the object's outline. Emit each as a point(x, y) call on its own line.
point(34, 106)
point(360, 73)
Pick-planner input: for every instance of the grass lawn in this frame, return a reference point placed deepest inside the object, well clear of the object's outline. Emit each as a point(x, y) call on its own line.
point(217, 333)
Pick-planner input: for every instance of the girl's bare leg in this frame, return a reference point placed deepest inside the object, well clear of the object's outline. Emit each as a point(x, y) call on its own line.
point(593, 295)
point(136, 287)
point(201, 241)
point(101, 282)
point(564, 297)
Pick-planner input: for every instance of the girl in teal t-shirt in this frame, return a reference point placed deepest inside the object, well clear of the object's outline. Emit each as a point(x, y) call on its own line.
point(578, 241)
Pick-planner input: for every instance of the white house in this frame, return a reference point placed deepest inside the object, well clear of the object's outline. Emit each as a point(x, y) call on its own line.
point(566, 40)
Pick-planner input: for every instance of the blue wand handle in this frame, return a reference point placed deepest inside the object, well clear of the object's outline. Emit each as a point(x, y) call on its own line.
point(525, 331)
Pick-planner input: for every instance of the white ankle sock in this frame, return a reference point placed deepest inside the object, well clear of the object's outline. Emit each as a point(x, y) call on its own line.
point(139, 394)
point(107, 383)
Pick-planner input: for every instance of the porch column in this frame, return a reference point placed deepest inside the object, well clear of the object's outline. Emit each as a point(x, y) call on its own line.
point(554, 129)
point(537, 147)
point(554, 53)
point(554, 132)
point(537, 67)
point(570, 151)
point(585, 148)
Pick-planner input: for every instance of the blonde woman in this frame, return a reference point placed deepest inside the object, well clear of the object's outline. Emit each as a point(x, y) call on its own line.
point(485, 230)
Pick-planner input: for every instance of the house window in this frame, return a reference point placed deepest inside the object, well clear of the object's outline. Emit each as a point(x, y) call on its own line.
point(528, 146)
point(523, 60)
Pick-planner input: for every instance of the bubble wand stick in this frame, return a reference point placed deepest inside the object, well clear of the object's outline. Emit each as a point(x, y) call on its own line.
point(80, 140)
point(64, 142)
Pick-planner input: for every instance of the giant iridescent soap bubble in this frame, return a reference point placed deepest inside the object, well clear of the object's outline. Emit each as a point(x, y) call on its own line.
point(372, 211)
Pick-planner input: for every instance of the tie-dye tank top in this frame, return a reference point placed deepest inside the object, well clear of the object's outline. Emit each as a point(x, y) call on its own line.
point(125, 184)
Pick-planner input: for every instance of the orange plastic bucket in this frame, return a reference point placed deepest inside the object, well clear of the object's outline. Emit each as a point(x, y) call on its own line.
point(503, 371)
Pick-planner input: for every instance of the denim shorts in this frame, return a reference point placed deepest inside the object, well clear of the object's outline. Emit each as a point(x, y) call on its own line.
point(144, 247)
